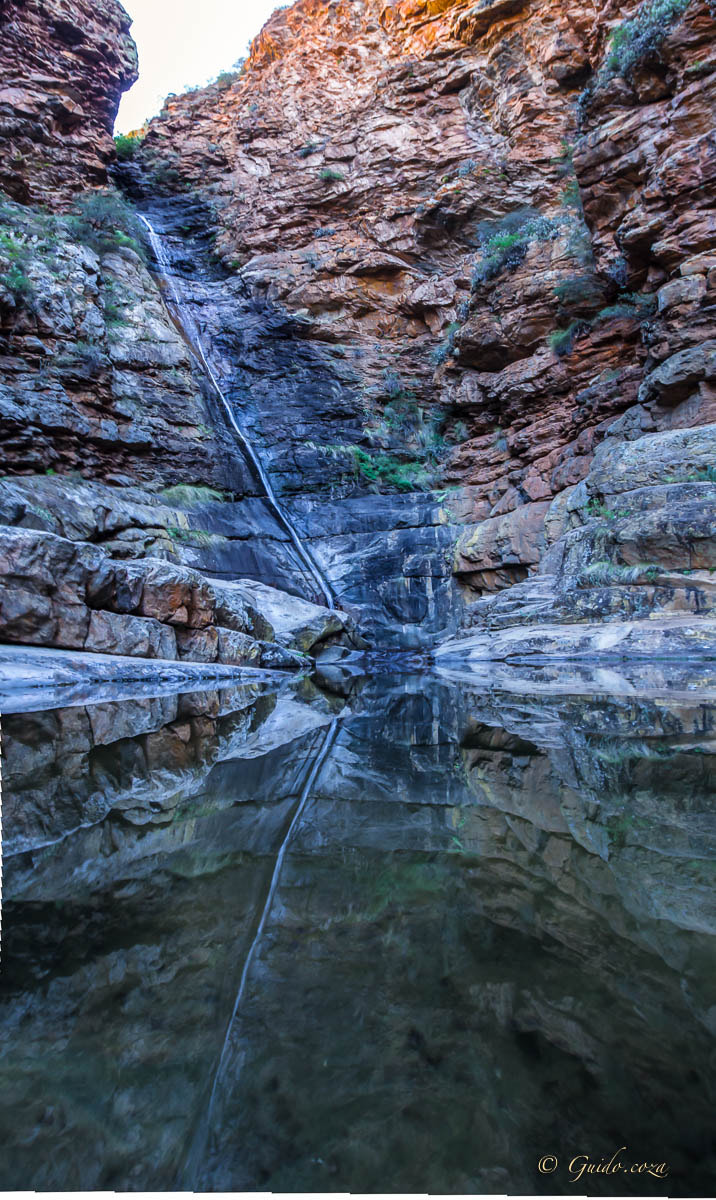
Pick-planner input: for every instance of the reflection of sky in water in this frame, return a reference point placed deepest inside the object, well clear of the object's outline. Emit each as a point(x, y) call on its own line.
point(482, 925)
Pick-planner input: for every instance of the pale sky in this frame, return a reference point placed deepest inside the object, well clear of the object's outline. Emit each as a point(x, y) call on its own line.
point(182, 43)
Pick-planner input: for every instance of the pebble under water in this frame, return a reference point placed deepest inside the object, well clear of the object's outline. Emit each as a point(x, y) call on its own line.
point(424, 933)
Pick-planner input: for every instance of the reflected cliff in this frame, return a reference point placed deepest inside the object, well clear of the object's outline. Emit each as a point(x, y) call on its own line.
point(408, 939)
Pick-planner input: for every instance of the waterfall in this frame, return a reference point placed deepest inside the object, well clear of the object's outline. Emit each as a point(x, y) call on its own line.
point(186, 324)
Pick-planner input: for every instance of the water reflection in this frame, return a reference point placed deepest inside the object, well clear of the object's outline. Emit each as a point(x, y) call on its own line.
point(491, 937)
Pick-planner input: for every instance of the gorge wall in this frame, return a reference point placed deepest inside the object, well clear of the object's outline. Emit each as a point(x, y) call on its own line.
point(63, 68)
point(501, 236)
point(439, 254)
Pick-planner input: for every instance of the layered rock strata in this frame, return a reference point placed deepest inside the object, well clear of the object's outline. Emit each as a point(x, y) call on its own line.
point(437, 252)
point(74, 596)
point(63, 68)
point(628, 562)
point(496, 229)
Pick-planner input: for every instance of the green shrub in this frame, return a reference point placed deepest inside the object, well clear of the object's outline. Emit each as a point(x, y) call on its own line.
point(703, 475)
point(577, 290)
point(562, 340)
point(17, 283)
point(571, 196)
point(85, 357)
point(447, 347)
point(188, 495)
point(607, 573)
point(127, 145)
point(225, 79)
point(386, 469)
point(505, 249)
point(572, 293)
point(168, 176)
point(597, 508)
point(393, 384)
point(634, 41)
point(18, 256)
point(330, 175)
point(104, 221)
point(628, 304)
point(194, 537)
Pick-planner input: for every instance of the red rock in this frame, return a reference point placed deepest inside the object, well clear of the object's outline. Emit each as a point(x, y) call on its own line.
point(63, 69)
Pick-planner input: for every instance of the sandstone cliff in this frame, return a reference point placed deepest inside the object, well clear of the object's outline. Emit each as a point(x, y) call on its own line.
point(63, 68)
point(497, 224)
point(437, 254)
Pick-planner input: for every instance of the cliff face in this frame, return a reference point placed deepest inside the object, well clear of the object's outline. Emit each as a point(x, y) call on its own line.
point(63, 68)
point(441, 252)
point(114, 444)
point(496, 219)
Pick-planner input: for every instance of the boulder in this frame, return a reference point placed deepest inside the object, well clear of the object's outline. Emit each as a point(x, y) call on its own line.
point(296, 624)
point(198, 645)
point(176, 595)
point(134, 637)
point(238, 648)
point(651, 460)
point(278, 658)
point(675, 378)
point(491, 550)
point(234, 610)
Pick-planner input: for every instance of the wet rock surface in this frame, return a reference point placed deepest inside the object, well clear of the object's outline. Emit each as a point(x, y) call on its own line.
point(497, 888)
point(535, 279)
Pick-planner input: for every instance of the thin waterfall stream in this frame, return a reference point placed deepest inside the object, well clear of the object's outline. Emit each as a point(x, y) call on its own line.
point(188, 328)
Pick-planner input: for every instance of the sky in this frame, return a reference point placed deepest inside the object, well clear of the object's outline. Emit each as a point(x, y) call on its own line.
point(182, 43)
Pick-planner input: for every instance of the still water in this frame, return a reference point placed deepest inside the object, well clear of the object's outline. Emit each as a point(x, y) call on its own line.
point(415, 934)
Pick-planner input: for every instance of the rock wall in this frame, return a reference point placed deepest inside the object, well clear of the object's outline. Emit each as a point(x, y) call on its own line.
point(436, 254)
point(63, 68)
point(495, 222)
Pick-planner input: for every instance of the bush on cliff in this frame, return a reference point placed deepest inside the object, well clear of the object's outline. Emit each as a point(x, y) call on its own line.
point(632, 42)
point(104, 221)
point(15, 257)
point(127, 145)
point(504, 248)
point(389, 471)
